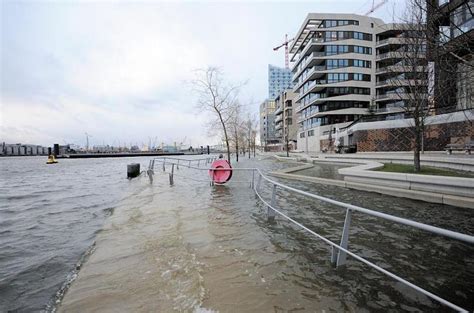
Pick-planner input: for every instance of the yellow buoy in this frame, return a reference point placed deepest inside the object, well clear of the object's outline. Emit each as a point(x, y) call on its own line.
point(51, 160)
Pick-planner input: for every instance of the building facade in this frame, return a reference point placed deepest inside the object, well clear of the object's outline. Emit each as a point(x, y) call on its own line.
point(333, 74)
point(350, 69)
point(401, 74)
point(286, 127)
point(450, 48)
point(268, 137)
point(279, 79)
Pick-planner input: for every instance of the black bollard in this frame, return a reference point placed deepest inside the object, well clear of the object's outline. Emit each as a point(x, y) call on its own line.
point(133, 170)
point(208, 150)
point(56, 150)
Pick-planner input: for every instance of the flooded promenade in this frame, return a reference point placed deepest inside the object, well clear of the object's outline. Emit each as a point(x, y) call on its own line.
point(192, 247)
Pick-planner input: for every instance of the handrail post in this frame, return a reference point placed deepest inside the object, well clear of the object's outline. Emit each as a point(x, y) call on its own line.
point(164, 168)
point(341, 256)
point(171, 174)
point(177, 165)
point(253, 179)
point(150, 175)
point(270, 212)
point(333, 255)
point(259, 181)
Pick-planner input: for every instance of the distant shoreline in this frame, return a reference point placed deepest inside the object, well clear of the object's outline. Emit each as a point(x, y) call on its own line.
point(116, 155)
point(104, 155)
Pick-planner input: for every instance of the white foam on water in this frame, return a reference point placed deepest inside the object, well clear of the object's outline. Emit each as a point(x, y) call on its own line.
point(204, 310)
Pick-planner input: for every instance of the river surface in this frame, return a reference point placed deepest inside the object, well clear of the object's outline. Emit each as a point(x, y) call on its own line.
point(192, 247)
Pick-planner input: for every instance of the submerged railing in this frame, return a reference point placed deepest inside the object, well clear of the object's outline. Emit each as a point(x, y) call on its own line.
point(339, 251)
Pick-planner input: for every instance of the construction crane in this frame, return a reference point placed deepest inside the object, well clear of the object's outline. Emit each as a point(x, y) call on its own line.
point(87, 141)
point(375, 6)
point(285, 44)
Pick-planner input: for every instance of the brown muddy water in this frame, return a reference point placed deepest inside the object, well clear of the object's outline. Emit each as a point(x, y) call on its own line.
point(191, 247)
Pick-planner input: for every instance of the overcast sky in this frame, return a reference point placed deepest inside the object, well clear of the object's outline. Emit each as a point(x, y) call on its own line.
point(120, 70)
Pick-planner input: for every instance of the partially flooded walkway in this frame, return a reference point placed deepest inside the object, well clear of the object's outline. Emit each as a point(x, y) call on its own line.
point(192, 247)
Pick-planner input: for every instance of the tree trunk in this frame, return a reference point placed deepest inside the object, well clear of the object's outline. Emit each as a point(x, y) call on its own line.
point(250, 147)
point(287, 150)
point(225, 134)
point(416, 156)
point(237, 148)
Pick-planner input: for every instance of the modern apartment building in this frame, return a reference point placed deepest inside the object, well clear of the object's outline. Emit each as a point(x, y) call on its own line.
point(450, 49)
point(401, 73)
point(279, 79)
point(286, 127)
point(350, 68)
point(267, 124)
point(333, 73)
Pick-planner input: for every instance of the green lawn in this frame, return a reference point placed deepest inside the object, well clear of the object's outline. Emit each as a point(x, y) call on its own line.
point(425, 170)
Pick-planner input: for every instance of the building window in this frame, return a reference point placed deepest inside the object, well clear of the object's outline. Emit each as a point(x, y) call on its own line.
point(362, 63)
point(337, 77)
point(310, 133)
point(334, 23)
point(362, 50)
point(302, 135)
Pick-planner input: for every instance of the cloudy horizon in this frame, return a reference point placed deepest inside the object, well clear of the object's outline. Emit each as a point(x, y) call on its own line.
point(120, 71)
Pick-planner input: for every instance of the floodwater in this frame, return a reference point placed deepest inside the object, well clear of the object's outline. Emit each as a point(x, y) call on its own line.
point(49, 217)
point(324, 170)
point(191, 247)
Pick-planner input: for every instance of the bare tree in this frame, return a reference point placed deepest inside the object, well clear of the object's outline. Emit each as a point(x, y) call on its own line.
point(434, 68)
point(236, 125)
point(407, 78)
point(217, 97)
point(450, 48)
point(251, 129)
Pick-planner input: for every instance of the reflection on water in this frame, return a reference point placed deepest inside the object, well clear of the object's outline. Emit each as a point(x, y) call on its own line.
point(192, 247)
point(323, 170)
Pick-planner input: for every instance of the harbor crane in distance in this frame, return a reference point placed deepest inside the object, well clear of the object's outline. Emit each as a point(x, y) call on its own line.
point(87, 141)
point(285, 44)
point(376, 6)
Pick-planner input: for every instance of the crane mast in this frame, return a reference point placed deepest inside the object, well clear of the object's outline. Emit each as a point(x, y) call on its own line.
point(285, 44)
point(376, 6)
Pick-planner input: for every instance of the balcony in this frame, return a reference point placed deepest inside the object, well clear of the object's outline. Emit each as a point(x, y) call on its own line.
point(401, 82)
point(400, 55)
point(305, 63)
point(401, 69)
point(391, 54)
point(393, 96)
point(320, 68)
point(392, 41)
point(302, 54)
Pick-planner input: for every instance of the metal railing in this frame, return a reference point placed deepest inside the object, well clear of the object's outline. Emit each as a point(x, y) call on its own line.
point(339, 251)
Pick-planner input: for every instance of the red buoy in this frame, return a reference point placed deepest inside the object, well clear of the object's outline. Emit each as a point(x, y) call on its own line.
point(220, 176)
